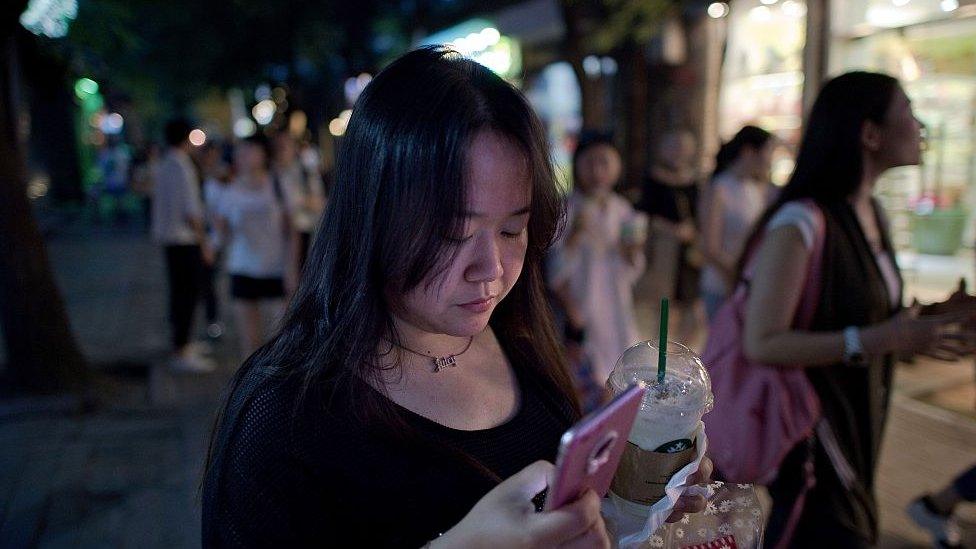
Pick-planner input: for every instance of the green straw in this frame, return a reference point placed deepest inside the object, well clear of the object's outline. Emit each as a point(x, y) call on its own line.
point(662, 347)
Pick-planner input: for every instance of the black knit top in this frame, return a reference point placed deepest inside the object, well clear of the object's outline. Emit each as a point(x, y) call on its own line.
point(317, 476)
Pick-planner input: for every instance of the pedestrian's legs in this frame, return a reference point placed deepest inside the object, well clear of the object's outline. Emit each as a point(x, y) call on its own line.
point(933, 512)
point(209, 294)
point(965, 485)
point(183, 266)
point(250, 324)
point(963, 488)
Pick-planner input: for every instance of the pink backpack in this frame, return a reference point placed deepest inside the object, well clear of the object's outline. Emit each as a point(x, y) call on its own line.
point(761, 412)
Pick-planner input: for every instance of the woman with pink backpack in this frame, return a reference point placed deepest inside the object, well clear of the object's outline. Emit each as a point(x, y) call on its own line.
point(802, 354)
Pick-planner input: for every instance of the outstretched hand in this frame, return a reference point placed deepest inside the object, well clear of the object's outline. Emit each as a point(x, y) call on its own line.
point(958, 303)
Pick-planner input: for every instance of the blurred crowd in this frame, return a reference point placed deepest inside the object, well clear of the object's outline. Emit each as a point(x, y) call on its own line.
point(249, 209)
point(681, 239)
point(245, 210)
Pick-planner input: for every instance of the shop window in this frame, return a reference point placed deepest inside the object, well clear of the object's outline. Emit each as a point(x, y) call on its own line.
point(762, 74)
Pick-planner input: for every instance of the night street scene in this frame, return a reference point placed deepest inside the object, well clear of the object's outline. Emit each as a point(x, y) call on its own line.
point(461, 274)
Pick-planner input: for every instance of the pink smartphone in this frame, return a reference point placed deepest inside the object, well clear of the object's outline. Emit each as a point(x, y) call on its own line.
point(590, 451)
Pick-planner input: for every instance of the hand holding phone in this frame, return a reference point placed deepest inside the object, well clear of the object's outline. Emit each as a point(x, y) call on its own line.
point(590, 451)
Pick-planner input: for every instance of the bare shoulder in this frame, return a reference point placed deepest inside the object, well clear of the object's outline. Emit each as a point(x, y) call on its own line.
point(784, 243)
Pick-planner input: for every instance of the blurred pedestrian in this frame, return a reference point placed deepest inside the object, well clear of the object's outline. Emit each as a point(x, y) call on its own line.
point(304, 195)
point(594, 267)
point(178, 225)
point(311, 160)
point(737, 196)
point(253, 219)
point(145, 166)
point(934, 511)
point(670, 198)
point(860, 126)
point(216, 174)
point(114, 164)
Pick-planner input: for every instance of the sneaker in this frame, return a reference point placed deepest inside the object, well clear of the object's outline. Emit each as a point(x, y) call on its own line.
point(215, 330)
point(944, 530)
point(191, 364)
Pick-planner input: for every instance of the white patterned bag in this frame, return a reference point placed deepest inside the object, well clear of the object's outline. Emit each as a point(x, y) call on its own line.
point(733, 519)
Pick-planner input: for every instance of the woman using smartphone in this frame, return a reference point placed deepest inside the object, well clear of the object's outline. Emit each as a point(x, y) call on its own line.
point(415, 393)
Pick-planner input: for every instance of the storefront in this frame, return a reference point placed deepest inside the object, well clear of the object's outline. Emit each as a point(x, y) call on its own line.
point(930, 45)
point(762, 74)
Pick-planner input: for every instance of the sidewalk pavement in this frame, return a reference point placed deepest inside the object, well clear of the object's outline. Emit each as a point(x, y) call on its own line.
point(126, 475)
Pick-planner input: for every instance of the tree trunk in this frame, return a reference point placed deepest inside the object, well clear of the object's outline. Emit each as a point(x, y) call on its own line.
point(636, 122)
point(593, 91)
point(52, 118)
point(695, 92)
point(42, 353)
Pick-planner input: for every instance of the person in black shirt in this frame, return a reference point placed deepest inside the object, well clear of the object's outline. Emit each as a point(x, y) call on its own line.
point(860, 125)
point(670, 198)
point(415, 394)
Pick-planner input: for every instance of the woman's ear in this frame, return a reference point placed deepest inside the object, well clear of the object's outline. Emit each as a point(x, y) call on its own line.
point(871, 136)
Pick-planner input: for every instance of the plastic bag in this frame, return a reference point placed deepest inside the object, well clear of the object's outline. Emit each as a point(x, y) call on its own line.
point(732, 519)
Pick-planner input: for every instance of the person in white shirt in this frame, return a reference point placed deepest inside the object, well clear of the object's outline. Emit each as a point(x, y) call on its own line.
point(253, 217)
point(304, 196)
point(177, 225)
point(737, 198)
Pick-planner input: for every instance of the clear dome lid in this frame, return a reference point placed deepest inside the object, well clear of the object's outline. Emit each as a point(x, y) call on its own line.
point(686, 386)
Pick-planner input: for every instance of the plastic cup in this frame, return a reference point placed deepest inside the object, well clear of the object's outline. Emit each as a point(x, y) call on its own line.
point(634, 230)
point(662, 440)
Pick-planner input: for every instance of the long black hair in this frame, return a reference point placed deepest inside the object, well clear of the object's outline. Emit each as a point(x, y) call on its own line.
point(829, 165)
point(398, 200)
point(749, 136)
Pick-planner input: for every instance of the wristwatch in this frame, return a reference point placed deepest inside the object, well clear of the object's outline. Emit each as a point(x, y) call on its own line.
point(853, 350)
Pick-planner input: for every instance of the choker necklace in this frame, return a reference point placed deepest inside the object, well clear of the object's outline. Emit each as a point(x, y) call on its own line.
point(440, 362)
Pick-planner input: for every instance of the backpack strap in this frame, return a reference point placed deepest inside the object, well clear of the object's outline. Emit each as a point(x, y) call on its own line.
point(814, 282)
point(809, 481)
point(810, 298)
